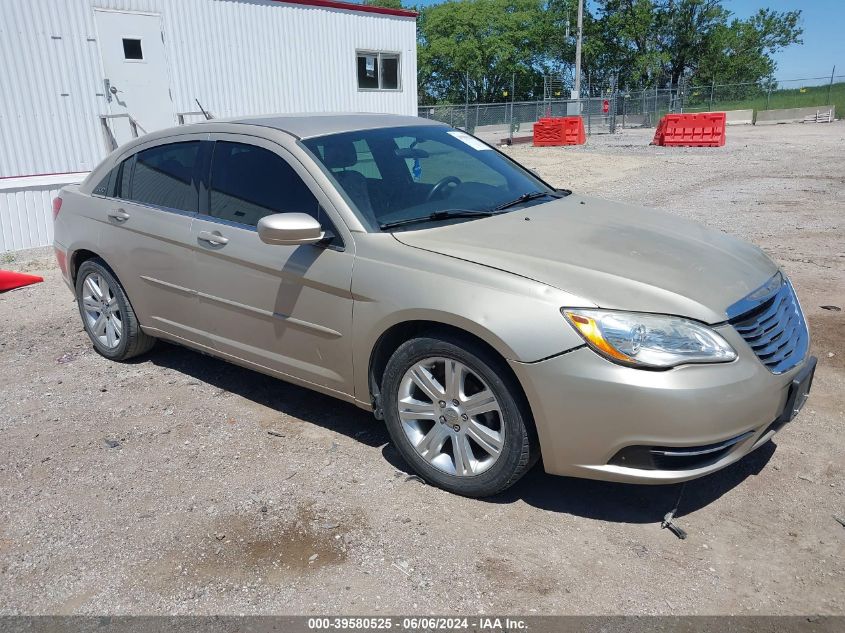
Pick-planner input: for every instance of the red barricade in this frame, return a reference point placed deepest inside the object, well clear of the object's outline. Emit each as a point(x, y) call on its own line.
point(706, 129)
point(567, 130)
point(10, 280)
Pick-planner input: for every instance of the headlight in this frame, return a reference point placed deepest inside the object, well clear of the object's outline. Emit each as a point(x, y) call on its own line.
point(649, 340)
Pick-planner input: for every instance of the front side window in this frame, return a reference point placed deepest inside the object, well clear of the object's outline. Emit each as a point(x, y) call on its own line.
point(249, 182)
point(164, 176)
point(405, 173)
point(378, 71)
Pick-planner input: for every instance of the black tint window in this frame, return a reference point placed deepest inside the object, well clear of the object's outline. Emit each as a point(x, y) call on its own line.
point(249, 182)
point(367, 71)
point(378, 71)
point(132, 49)
point(163, 176)
point(124, 173)
point(389, 73)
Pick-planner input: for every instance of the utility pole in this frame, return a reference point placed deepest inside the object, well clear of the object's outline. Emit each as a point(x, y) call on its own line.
point(712, 91)
point(466, 105)
point(830, 85)
point(769, 91)
point(576, 93)
point(513, 89)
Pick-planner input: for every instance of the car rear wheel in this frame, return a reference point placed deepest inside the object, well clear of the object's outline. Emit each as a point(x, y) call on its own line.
point(456, 417)
point(107, 315)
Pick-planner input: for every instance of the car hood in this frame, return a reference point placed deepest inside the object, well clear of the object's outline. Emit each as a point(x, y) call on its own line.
point(613, 255)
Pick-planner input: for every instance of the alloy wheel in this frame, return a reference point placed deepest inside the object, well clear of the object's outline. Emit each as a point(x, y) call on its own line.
point(451, 416)
point(102, 312)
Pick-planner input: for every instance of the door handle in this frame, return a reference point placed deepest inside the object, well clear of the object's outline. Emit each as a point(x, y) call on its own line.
point(213, 238)
point(118, 215)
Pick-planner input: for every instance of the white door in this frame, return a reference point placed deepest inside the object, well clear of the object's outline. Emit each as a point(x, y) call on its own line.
point(136, 78)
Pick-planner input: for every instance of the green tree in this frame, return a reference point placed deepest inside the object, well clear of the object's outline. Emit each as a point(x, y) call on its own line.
point(388, 4)
point(485, 43)
point(662, 41)
point(742, 50)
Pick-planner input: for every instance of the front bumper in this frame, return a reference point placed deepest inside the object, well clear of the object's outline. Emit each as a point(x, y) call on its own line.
point(595, 418)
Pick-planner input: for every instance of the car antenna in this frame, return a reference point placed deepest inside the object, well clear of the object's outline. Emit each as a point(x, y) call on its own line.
point(204, 113)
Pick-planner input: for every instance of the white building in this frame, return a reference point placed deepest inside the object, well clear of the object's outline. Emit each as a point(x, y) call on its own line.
point(79, 77)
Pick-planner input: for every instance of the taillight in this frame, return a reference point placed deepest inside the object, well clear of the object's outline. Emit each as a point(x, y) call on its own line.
point(57, 206)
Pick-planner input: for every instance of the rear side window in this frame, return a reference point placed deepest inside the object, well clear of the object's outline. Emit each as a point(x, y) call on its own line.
point(163, 176)
point(249, 182)
point(104, 188)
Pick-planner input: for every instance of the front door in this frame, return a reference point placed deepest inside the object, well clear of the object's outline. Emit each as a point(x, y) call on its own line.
point(136, 80)
point(284, 308)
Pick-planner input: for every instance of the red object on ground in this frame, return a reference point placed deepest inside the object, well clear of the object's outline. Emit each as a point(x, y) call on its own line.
point(706, 129)
point(552, 131)
point(10, 280)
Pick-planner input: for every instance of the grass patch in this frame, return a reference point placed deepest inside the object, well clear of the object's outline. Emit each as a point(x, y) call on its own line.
point(779, 99)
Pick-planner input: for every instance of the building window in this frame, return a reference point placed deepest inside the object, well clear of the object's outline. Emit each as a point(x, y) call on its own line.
point(132, 49)
point(378, 71)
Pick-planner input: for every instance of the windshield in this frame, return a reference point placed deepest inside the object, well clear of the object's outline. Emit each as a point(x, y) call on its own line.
point(397, 175)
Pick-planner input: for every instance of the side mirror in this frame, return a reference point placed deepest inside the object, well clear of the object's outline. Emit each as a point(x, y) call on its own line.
point(289, 229)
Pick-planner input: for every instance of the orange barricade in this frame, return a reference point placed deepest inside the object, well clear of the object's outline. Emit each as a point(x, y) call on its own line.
point(706, 129)
point(567, 130)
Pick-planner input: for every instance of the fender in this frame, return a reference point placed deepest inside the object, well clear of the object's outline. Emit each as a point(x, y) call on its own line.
point(518, 317)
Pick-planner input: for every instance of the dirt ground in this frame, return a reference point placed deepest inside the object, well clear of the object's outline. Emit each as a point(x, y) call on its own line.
point(181, 484)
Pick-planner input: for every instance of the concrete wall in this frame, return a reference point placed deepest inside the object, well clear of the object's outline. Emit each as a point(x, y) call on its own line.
point(791, 115)
point(739, 117)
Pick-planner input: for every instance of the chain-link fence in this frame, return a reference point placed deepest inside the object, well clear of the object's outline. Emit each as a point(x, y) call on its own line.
point(499, 123)
point(608, 109)
point(643, 108)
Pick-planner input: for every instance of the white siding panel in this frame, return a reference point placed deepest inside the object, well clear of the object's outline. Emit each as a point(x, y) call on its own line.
point(26, 218)
point(238, 57)
point(48, 88)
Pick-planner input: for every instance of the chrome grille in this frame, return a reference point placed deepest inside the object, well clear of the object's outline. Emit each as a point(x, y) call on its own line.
point(771, 322)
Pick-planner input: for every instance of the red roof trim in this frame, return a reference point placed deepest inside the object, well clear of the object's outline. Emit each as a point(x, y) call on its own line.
point(349, 6)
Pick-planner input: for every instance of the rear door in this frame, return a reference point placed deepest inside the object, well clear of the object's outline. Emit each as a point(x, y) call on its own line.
point(284, 308)
point(146, 234)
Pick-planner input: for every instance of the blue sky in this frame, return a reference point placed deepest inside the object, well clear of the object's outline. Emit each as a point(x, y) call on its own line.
point(824, 25)
point(824, 35)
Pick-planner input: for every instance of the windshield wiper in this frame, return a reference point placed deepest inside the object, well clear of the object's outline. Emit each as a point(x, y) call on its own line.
point(446, 214)
point(527, 197)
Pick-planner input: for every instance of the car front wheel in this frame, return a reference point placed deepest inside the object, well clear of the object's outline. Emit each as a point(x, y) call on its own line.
point(456, 416)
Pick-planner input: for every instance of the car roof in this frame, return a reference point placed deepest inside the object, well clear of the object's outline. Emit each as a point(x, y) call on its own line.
point(320, 124)
point(301, 126)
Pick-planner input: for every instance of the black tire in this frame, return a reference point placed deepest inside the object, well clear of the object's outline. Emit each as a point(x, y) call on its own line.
point(133, 341)
point(520, 447)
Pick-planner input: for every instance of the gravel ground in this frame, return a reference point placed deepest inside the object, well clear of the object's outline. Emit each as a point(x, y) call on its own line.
point(181, 484)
